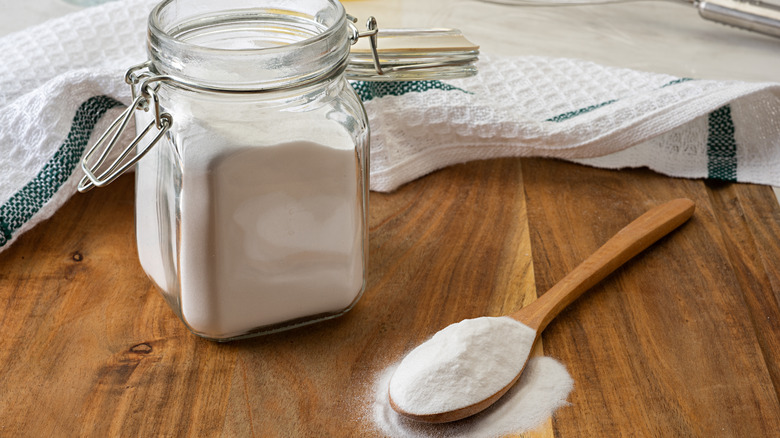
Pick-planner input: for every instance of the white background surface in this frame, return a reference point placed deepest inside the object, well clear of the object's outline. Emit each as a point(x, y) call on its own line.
point(659, 36)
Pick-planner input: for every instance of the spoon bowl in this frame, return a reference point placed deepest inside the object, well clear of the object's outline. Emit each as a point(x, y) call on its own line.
point(628, 242)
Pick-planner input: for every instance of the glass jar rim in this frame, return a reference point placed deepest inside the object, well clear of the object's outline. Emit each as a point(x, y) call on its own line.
point(314, 45)
point(157, 29)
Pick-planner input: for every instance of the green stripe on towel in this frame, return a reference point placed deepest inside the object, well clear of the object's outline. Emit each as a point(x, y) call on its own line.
point(587, 109)
point(25, 203)
point(721, 146)
point(570, 114)
point(677, 81)
point(368, 90)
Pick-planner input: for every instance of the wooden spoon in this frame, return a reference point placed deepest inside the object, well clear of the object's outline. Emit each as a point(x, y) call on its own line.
point(624, 245)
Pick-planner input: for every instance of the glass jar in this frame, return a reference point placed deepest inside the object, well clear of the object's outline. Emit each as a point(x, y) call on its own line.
point(252, 194)
point(251, 209)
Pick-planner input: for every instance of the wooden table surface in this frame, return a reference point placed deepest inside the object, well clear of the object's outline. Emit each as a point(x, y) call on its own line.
point(684, 340)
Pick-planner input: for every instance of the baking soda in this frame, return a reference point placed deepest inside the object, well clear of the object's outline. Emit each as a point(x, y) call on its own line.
point(543, 387)
point(466, 363)
point(269, 234)
point(462, 364)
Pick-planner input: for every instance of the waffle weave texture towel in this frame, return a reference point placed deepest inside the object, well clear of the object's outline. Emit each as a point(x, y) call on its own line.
point(62, 81)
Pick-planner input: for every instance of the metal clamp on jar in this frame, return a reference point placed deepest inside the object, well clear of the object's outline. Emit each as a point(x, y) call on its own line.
point(252, 194)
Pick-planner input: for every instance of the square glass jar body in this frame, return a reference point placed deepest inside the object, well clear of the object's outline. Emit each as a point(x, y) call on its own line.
point(251, 211)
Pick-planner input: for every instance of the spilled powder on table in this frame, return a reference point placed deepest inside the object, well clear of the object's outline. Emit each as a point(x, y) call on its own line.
point(543, 387)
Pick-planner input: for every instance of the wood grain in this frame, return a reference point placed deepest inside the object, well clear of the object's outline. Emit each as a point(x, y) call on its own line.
point(682, 341)
point(91, 343)
point(666, 346)
point(614, 253)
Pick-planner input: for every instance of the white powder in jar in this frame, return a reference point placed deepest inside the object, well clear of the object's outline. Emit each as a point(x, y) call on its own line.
point(462, 364)
point(268, 234)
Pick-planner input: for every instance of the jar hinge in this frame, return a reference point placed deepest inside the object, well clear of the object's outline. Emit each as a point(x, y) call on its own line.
point(372, 30)
point(107, 142)
point(432, 54)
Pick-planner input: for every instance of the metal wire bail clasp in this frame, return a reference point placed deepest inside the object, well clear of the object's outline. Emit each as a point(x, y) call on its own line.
point(372, 30)
point(409, 54)
point(97, 175)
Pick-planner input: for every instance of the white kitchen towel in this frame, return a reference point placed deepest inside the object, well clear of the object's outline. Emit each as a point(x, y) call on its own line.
point(58, 79)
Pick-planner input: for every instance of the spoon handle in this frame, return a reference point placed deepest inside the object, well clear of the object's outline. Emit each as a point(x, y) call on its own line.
point(628, 242)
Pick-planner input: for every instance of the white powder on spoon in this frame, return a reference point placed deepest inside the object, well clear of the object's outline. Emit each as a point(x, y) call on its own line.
point(462, 364)
point(543, 387)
